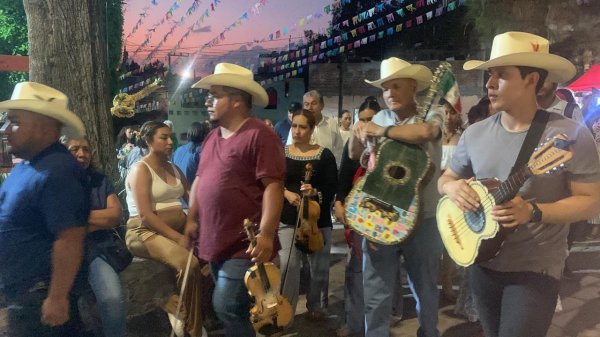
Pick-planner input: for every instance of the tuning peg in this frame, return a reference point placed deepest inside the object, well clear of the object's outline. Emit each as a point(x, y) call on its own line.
point(562, 165)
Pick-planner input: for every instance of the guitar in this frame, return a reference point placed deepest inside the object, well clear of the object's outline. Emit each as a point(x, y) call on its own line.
point(383, 206)
point(472, 237)
point(271, 311)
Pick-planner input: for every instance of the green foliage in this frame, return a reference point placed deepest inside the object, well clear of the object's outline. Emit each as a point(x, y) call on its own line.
point(13, 41)
point(492, 17)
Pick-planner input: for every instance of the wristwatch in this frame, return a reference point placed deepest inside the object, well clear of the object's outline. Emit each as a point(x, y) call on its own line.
point(536, 213)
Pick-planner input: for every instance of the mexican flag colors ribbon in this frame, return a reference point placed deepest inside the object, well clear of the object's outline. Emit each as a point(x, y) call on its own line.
point(450, 92)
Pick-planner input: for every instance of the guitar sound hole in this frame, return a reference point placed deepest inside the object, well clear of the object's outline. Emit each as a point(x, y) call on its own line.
point(397, 172)
point(476, 220)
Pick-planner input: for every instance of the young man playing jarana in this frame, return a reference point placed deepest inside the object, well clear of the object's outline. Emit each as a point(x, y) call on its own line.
point(516, 291)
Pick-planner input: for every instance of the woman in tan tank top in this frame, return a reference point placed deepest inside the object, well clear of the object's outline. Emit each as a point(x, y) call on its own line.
point(156, 227)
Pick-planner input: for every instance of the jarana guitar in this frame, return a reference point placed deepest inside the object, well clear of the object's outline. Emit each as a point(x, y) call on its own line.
point(472, 237)
point(384, 204)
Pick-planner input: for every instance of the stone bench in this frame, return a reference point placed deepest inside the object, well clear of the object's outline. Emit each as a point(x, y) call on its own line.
point(146, 286)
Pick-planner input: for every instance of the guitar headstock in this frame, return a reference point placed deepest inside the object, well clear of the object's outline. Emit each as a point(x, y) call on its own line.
point(438, 75)
point(249, 227)
point(551, 156)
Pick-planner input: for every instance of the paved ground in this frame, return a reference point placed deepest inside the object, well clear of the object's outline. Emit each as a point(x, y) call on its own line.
point(580, 295)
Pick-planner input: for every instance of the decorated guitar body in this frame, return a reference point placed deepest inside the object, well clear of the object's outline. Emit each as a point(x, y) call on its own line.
point(472, 237)
point(383, 206)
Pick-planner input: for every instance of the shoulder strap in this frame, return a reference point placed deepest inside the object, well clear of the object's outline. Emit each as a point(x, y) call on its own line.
point(569, 110)
point(532, 139)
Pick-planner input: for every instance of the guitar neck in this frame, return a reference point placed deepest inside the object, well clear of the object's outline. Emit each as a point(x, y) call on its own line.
point(509, 188)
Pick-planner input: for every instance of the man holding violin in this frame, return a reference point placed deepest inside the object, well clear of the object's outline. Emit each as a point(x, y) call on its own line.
point(239, 176)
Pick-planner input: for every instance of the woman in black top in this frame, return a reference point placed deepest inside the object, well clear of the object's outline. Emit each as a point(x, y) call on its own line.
point(322, 188)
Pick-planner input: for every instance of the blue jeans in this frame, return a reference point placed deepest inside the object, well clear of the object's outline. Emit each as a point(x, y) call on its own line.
point(106, 286)
point(316, 295)
point(517, 304)
point(230, 297)
point(422, 253)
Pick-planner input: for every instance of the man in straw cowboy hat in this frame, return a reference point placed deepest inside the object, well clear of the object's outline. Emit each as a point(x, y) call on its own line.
point(516, 291)
point(399, 82)
point(44, 207)
point(240, 176)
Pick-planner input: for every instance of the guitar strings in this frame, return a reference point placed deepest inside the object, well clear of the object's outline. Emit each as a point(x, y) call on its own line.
point(462, 225)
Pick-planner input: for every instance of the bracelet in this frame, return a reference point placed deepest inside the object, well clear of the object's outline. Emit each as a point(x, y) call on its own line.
point(386, 132)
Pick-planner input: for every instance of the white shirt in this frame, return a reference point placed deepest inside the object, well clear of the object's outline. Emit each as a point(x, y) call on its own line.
point(327, 135)
point(345, 134)
point(559, 106)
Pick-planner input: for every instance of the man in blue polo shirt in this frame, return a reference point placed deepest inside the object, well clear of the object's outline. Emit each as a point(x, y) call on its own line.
point(44, 207)
point(282, 128)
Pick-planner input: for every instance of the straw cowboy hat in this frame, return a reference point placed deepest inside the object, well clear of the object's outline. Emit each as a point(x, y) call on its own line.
point(47, 101)
point(525, 49)
point(394, 67)
point(234, 76)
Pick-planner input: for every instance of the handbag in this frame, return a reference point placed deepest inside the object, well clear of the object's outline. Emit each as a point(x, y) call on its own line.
point(111, 249)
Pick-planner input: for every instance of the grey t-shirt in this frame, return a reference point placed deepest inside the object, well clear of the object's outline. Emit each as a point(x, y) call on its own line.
point(435, 116)
point(488, 150)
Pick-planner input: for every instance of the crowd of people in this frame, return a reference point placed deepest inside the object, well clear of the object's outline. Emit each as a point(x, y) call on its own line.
point(186, 204)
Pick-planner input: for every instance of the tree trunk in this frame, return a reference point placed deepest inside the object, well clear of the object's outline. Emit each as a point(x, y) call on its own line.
point(67, 51)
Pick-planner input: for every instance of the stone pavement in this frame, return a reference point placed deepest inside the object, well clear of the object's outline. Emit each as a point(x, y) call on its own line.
point(580, 295)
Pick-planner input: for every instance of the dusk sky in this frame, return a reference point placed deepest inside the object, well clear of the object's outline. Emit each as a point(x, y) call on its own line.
point(273, 15)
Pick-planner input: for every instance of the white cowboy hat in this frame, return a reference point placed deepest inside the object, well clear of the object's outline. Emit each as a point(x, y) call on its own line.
point(394, 67)
point(47, 101)
point(525, 49)
point(234, 76)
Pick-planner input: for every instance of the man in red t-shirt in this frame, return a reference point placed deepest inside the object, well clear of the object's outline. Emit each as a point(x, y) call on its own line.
point(240, 176)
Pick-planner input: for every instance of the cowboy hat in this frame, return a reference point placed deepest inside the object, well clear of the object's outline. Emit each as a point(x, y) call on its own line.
point(47, 101)
point(394, 67)
point(234, 76)
point(525, 49)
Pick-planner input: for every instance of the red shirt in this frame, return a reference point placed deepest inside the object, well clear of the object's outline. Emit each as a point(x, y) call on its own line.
point(229, 187)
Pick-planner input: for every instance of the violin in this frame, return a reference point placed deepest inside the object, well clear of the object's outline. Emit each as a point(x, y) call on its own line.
point(271, 311)
point(308, 236)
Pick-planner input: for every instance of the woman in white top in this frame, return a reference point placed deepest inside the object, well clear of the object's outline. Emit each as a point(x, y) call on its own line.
point(156, 226)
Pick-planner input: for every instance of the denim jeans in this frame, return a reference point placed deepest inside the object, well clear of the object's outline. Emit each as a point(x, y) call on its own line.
point(106, 286)
point(517, 304)
point(290, 270)
point(230, 297)
point(422, 253)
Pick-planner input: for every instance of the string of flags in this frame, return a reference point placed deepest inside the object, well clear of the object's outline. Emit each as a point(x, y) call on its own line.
point(255, 10)
point(364, 30)
point(352, 33)
point(189, 12)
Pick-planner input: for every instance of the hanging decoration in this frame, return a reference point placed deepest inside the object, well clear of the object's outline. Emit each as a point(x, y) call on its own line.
point(359, 31)
point(124, 104)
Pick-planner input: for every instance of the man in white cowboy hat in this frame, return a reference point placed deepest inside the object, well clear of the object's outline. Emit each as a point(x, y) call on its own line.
point(516, 291)
point(240, 176)
point(399, 82)
point(44, 207)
